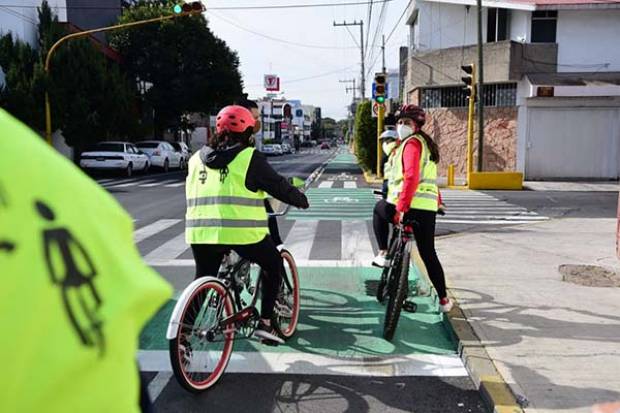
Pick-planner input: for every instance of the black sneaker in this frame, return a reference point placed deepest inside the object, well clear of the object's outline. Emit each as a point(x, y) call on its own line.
point(267, 334)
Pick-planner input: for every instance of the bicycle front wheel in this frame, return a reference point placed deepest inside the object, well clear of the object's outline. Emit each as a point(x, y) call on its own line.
point(397, 284)
point(202, 348)
point(287, 303)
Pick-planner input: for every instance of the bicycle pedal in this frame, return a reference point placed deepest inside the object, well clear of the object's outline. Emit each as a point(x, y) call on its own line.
point(410, 306)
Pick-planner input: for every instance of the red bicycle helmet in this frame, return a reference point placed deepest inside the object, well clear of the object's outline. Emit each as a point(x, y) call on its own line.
point(234, 118)
point(412, 112)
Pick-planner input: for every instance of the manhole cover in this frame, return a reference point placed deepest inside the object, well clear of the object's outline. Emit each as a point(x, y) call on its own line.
point(589, 275)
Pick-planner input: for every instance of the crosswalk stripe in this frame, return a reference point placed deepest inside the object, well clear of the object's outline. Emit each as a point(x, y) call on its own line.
point(175, 185)
point(415, 364)
point(300, 239)
point(169, 250)
point(499, 217)
point(152, 229)
point(350, 184)
point(356, 243)
point(473, 222)
point(326, 184)
point(150, 184)
point(105, 181)
point(123, 185)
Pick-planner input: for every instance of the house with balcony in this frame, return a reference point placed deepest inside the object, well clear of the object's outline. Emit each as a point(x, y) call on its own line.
point(552, 83)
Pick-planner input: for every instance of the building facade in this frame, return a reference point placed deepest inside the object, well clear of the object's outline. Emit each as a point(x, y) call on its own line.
point(552, 76)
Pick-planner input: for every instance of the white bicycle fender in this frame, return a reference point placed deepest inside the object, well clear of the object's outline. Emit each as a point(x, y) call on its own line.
point(175, 318)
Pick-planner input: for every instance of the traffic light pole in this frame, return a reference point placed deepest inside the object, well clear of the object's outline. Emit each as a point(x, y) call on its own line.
point(470, 126)
point(380, 116)
point(48, 111)
point(480, 89)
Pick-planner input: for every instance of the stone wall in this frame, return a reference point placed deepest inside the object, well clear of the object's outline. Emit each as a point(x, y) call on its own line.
point(448, 126)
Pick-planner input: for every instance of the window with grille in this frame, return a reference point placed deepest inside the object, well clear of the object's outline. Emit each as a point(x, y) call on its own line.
point(499, 94)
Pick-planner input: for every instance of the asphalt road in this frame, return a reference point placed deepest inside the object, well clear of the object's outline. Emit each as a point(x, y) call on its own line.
point(335, 231)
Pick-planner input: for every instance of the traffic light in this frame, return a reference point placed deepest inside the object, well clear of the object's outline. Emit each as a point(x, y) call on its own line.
point(188, 7)
point(469, 80)
point(380, 87)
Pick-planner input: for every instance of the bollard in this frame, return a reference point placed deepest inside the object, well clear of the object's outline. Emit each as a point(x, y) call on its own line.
point(450, 175)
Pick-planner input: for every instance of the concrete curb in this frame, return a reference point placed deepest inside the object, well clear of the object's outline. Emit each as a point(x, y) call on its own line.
point(495, 392)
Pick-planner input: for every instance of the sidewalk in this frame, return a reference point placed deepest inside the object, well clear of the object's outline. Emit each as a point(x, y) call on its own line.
point(556, 344)
point(577, 186)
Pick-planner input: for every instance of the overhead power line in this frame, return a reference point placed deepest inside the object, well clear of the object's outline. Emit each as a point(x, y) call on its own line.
point(280, 6)
point(275, 39)
point(302, 79)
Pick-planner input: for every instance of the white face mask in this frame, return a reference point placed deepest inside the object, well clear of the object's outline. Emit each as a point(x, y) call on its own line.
point(404, 131)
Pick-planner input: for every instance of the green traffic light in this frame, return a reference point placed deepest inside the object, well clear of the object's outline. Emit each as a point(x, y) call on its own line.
point(380, 99)
point(177, 9)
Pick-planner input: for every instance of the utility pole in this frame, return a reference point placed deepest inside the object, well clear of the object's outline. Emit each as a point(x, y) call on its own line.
point(361, 25)
point(349, 89)
point(480, 89)
point(383, 55)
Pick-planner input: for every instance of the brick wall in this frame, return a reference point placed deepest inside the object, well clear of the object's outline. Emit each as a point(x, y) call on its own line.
point(449, 129)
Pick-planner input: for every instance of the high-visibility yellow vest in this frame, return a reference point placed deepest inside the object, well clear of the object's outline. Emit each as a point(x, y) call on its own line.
point(74, 291)
point(220, 209)
point(427, 193)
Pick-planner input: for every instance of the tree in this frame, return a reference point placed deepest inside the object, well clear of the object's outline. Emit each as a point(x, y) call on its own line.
point(190, 69)
point(91, 98)
point(366, 137)
point(329, 128)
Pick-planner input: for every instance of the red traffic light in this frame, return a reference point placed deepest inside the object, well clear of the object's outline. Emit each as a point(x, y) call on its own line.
point(380, 89)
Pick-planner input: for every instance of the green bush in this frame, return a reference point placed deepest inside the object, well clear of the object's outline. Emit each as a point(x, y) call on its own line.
point(366, 137)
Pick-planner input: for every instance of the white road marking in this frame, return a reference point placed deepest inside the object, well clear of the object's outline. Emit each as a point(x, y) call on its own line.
point(300, 239)
point(152, 229)
point(356, 245)
point(175, 185)
point(428, 365)
point(473, 222)
point(169, 250)
point(158, 384)
point(326, 184)
point(350, 184)
point(149, 185)
point(301, 263)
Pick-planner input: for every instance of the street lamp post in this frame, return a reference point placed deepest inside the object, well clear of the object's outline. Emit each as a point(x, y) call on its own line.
point(48, 111)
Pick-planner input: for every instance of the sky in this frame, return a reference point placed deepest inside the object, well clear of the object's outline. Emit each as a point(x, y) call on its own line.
point(304, 49)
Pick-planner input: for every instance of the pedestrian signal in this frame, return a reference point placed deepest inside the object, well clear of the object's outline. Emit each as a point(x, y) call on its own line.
point(380, 87)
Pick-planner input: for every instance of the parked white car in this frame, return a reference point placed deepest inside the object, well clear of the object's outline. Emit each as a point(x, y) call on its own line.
point(287, 148)
point(278, 149)
point(115, 156)
point(183, 149)
point(161, 154)
point(269, 149)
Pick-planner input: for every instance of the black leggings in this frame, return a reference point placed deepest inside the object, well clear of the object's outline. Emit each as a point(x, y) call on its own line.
point(273, 225)
point(209, 257)
point(424, 235)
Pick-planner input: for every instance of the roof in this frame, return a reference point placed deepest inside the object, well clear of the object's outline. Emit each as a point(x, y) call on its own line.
point(565, 2)
point(575, 79)
point(533, 4)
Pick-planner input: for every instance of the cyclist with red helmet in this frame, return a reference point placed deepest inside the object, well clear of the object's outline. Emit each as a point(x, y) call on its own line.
point(227, 183)
point(413, 195)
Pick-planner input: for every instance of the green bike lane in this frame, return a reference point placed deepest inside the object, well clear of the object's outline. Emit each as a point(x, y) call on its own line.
point(340, 318)
point(339, 335)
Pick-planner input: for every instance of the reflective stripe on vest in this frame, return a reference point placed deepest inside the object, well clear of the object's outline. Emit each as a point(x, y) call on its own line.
point(220, 209)
point(427, 193)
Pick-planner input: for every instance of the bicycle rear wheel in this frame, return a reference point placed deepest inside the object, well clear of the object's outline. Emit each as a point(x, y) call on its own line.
point(201, 350)
point(287, 305)
point(397, 284)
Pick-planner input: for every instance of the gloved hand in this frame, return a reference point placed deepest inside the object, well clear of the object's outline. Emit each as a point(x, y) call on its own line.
point(304, 204)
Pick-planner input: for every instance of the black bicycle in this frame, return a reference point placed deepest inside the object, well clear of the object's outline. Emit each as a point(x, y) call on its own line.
point(213, 312)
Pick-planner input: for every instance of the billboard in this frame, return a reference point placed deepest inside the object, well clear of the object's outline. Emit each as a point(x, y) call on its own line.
point(272, 83)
